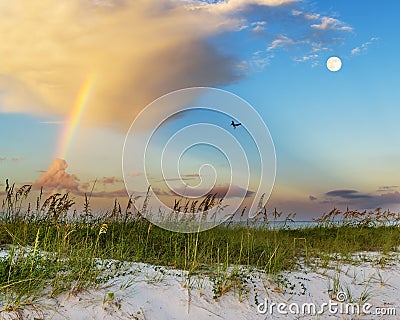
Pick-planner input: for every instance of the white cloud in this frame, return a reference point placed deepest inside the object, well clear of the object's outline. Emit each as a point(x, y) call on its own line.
point(235, 5)
point(258, 26)
point(308, 16)
point(297, 12)
point(330, 32)
point(328, 23)
point(258, 61)
point(259, 23)
point(363, 48)
point(282, 41)
point(312, 16)
point(307, 58)
point(309, 39)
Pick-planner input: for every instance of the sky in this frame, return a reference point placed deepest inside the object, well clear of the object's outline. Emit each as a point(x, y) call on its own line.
point(75, 74)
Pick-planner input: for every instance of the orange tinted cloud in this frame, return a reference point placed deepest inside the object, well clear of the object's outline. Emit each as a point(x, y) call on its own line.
point(56, 177)
point(219, 191)
point(137, 50)
point(120, 193)
point(108, 180)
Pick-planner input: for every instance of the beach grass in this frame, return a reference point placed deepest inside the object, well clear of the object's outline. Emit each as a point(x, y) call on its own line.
point(48, 254)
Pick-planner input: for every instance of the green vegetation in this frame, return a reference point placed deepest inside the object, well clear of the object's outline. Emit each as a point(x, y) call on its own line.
point(48, 253)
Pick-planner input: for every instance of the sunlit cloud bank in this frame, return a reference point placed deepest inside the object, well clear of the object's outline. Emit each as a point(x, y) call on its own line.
point(137, 50)
point(57, 179)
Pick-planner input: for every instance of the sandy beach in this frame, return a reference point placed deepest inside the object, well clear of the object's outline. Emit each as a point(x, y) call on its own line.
point(366, 288)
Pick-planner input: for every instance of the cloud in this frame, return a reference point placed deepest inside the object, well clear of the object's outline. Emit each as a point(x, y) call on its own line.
point(258, 26)
point(176, 179)
point(258, 61)
point(306, 58)
point(220, 191)
point(85, 186)
point(135, 50)
point(120, 193)
point(363, 201)
point(387, 188)
point(52, 122)
point(308, 33)
point(109, 180)
point(282, 41)
point(309, 206)
point(346, 194)
point(297, 12)
point(363, 48)
point(308, 16)
point(135, 174)
point(329, 23)
point(56, 177)
point(184, 177)
point(232, 6)
point(191, 175)
point(160, 192)
point(386, 199)
point(3, 158)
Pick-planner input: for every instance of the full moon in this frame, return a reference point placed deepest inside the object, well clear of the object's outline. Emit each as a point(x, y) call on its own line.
point(334, 64)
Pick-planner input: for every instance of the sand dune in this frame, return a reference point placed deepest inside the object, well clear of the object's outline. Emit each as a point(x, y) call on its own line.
point(141, 291)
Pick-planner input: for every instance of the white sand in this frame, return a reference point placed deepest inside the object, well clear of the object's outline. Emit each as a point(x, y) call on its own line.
point(142, 291)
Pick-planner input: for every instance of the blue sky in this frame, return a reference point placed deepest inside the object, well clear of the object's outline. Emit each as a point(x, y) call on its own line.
point(333, 131)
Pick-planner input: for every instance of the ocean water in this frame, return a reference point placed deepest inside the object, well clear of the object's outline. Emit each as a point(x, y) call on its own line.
point(275, 224)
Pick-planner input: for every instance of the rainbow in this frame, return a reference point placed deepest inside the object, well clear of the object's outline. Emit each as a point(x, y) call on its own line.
point(75, 116)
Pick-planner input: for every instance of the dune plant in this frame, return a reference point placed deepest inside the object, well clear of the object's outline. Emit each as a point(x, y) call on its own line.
point(51, 246)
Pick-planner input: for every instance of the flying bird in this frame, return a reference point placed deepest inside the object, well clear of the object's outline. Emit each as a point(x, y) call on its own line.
point(234, 125)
